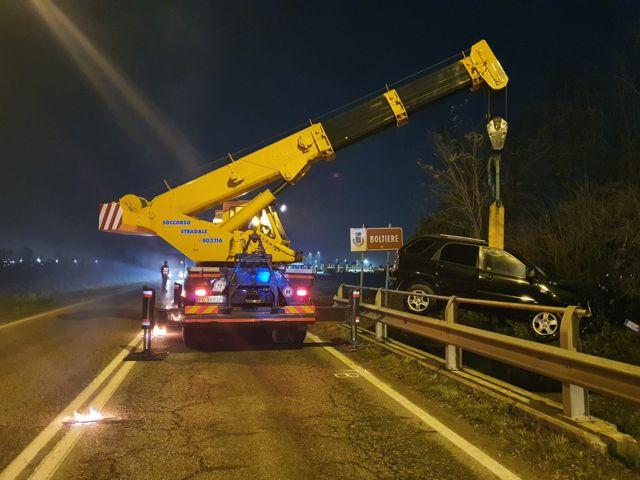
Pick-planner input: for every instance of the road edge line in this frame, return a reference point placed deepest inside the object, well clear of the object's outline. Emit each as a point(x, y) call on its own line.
point(26, 456)
point(465, 446)
point(52, 461)
point(59, 310)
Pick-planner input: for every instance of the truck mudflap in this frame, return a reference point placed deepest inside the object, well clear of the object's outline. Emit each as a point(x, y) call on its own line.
point(337, 313)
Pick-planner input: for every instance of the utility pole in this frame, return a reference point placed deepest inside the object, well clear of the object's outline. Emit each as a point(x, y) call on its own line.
point(497, 131)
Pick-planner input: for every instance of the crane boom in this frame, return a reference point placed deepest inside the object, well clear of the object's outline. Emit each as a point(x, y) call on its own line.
point(172, 215)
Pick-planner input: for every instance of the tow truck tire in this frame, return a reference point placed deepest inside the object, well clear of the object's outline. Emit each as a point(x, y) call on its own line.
point(280, 335)
point(289, 336)
point(298, 334)
point(190, 336)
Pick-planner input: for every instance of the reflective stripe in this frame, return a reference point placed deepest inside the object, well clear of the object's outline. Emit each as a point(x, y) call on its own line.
point(200, 310)
point(110, 216)
point(299, 309)
point(276, 320)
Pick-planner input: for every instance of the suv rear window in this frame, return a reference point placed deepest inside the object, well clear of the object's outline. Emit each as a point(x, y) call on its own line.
point(419, 245)
point(460, 254)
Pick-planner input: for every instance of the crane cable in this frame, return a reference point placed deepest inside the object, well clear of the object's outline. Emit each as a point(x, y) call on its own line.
point(318, 118)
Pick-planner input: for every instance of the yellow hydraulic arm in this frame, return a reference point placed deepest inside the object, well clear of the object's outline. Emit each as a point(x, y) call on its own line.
point(172, 215)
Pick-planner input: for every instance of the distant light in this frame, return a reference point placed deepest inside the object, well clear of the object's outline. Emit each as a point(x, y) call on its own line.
point(39, 260)
point(95, 261)
point(20, 260)
point(57, 261)
point(283, 208)
point(75, 260)
point(366, 261)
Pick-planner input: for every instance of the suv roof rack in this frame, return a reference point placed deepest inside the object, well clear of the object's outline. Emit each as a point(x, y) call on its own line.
point(477, 241)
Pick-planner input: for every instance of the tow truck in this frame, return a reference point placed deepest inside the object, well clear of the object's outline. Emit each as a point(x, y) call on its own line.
point(241, 256)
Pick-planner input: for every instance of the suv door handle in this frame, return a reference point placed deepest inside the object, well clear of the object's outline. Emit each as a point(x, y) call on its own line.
point(486, 276)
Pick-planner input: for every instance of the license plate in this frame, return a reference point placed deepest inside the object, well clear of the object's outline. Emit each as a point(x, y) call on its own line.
point(215, 299)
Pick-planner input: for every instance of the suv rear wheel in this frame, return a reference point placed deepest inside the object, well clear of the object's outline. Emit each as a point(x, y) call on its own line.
point(418, 304)
point(545, 326)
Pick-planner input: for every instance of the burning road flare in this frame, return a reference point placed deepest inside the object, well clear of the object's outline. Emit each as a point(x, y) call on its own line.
point(91, 417)
point(159, 331)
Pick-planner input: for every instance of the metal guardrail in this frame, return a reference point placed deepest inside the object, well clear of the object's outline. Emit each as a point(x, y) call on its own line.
point(578, 372)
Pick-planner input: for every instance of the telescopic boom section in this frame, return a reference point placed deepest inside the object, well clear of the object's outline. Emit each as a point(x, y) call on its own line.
point(171, 215)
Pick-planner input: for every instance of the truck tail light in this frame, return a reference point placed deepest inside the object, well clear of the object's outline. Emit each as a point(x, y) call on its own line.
point(302, 292)
point(201, 292)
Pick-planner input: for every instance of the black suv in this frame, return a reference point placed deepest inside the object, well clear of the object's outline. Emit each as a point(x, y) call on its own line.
point(467, 267)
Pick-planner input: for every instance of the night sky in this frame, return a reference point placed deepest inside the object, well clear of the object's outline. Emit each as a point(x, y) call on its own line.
point(230, 74)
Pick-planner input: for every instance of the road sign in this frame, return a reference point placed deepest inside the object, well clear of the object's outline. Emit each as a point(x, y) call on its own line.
point(384, 238)
point(358, 239)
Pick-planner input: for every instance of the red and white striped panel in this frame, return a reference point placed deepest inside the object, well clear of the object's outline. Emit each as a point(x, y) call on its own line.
point(109, 216)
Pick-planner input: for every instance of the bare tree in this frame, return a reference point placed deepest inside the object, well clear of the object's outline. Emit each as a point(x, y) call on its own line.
point(591, 235)
point(458, 183)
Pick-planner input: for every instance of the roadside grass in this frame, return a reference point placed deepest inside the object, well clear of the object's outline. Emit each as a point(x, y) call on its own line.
point(609, 341)
point(17, 306)
point(614, 342)
point(501, 426)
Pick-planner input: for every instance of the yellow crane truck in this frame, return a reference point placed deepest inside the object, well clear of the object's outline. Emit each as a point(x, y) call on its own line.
point(241, 256)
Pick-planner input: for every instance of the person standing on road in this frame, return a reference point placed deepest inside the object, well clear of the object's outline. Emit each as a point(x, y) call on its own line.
point(164, 271)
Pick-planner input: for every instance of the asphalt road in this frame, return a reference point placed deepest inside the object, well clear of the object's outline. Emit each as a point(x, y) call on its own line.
point(240, 410)
point(45, 363)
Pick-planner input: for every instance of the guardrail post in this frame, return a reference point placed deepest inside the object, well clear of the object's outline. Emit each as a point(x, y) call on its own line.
point(452, 354)
point(381, 328)
point(355, 316)
point(575, 399)
point(339, 294)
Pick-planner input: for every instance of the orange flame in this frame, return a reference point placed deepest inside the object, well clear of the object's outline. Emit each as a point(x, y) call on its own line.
point(92, 416)
point(159, 331)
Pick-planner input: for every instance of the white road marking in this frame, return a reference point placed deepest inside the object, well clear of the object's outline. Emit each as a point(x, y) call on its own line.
point(44, 437)
point(54, 459)
point(471, 450)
